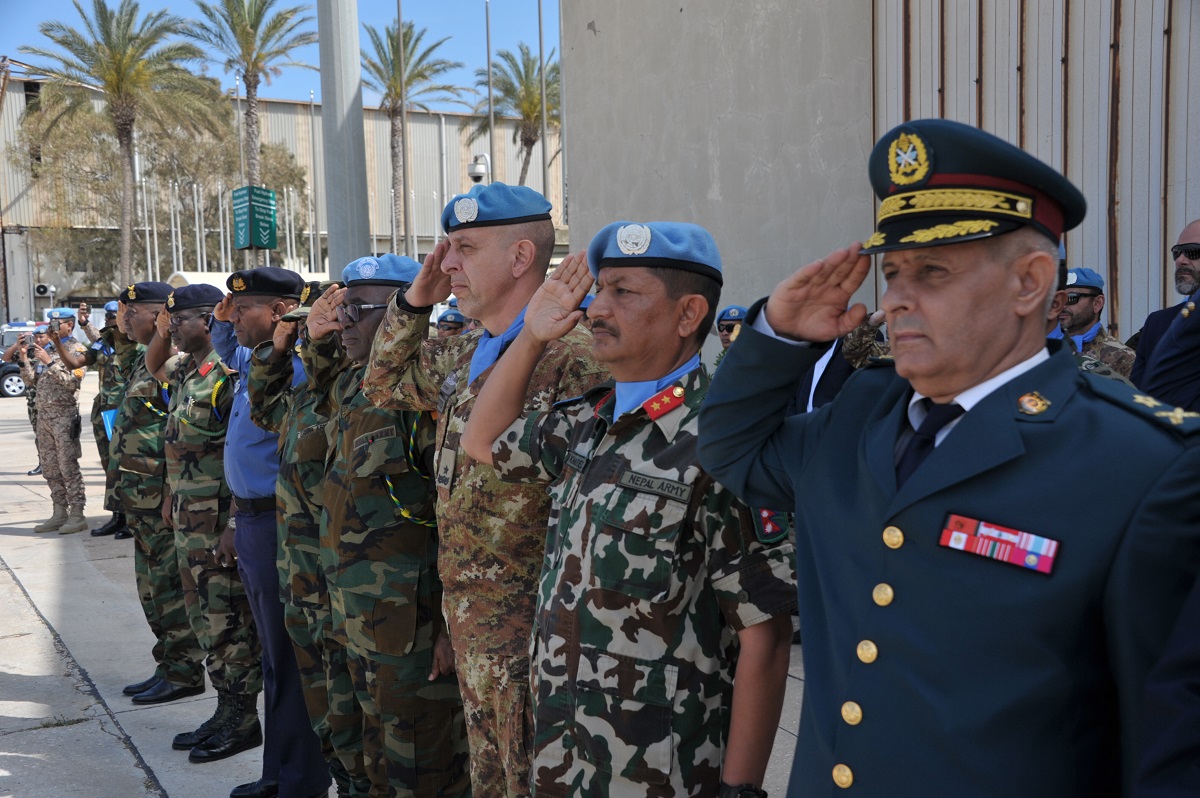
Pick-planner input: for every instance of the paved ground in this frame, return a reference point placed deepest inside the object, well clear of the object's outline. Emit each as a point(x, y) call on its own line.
point(72, 635)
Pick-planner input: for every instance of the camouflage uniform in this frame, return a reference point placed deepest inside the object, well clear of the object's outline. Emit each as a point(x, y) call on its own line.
point(324, 675)
point(102, 355)
point(381, 542)
point(138, 451)
point(29, 373)
point(1108, 350)
point(651, 570)
point(218, 610)
point(492, 534)
point(57, 425)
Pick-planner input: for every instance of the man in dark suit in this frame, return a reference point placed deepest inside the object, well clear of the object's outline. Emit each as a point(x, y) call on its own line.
point(1168, 353)
point(971, 626)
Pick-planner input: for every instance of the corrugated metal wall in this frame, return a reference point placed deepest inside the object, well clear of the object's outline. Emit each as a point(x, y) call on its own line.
point(1101, 89)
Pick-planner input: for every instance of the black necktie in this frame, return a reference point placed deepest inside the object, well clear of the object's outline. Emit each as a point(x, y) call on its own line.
point(922, 442)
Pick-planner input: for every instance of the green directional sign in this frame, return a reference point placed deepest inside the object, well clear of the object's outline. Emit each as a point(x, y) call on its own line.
point(254, 218)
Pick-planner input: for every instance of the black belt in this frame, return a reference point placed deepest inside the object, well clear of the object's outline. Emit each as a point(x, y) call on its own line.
point(266, 505)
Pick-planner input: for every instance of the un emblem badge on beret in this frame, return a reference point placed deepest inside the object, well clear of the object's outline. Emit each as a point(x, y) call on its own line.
point(466, 210)
point(633, 239)
point(132, 291)
point(908, 160)
point(367, 267)
point(239, 284)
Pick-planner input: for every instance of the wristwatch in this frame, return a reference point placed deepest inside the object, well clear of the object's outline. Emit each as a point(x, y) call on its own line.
point(740, 791)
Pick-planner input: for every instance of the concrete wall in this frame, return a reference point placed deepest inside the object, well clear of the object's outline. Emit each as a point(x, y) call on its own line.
point(752, 119)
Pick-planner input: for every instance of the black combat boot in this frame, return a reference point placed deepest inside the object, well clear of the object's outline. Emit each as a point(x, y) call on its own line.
point(239, 732)
point(110, 526)
point(187, 740)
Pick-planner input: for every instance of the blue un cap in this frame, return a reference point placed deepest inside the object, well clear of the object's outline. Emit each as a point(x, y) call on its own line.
point(41, 329)
point(111, 307)
point(452, 316)
point(1085, 278)
point(732, 313)
point(665, 245)
point(61, 313)
point(387, 269)
point(495, 204)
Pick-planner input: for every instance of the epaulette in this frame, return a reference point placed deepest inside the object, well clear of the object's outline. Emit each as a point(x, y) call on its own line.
point(880, 361)
point(664, 401)
point(603, 387)
point(1176, 419)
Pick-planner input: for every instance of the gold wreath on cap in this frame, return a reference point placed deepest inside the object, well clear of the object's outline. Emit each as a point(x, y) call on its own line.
point(171, 300)
point(304, 292)
point(239, 284)
point(132, 291)
point(908, 160)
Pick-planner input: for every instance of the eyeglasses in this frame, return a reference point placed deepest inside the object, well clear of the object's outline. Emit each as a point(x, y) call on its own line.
point(449, 326)
point(352, 313)
point(1072, 297)
point(178, 319)
point(1189, 251)
point(727, 328)
point(110, 316)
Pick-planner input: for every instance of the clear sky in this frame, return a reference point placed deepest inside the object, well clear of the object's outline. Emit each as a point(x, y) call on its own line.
point(513, 21)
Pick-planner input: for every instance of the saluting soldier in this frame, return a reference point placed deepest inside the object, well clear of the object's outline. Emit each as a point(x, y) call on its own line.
point(201, 388)
point(663, 629)
point(380, 547)
point(495, 256)
point(138, 451)
point(967, 630)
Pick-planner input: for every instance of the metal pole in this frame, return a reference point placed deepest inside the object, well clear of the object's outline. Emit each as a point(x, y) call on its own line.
point(174, 233)
point(203, 228)
point(487, 8)
point(374, 238)
point(312, 173)
point(393, 216)
point(562, 122)
point(545, 111)
point(312, 234)
point(221, 221)
point(146, 224)
point(406, 208)
point(196, 222)
point(154, 224)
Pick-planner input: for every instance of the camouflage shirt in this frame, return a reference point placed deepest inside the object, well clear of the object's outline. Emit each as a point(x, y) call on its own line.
point(201, 399)
point(492, 533)
point(108, 346)
point(1111, 352)
point(291, 411)
point(138, 445)
point(651, 569)
point(56, 384)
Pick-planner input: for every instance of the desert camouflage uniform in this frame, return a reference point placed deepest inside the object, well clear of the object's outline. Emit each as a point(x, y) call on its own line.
point(57, 425)
point(651, 570)
point(492, 534)
point(102, 355)
point(324, 675)
point(29, 373)
point(218, 610)
point(138, 451)
point(380, 543)
point(1114, 354)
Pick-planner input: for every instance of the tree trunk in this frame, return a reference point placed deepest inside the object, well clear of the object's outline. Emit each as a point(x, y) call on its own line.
point(525, 164)
point(124, 132)
point(397, 142)
point(253, 166)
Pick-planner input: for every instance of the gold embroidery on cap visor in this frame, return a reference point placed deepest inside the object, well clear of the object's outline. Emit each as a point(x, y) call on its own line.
point(877, 239)
point(908, 160)
point(966, 199)
point(962, 228)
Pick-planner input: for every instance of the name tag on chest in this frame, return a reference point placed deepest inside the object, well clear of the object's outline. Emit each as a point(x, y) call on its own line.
point(646, 483)
point(576, 461)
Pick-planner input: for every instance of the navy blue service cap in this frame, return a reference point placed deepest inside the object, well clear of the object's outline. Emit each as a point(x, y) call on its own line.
point(309, 294)
point(1085, 278)
point(494, 204)
point(943, 182)
point(146, 293)
point(452, 316)
point(732, 313)
point(387, 269)
point(266, 281)
point(61, 313)
point(194, 296)
point(664, 245)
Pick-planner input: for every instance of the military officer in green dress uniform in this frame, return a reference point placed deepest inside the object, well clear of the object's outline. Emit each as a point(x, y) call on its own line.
point(970, 626)
point(379, 545)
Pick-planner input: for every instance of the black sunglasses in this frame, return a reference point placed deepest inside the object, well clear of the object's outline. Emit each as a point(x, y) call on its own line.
point(1073, 297)
point(353, 313)
point(1189, 251)
point(727, 327)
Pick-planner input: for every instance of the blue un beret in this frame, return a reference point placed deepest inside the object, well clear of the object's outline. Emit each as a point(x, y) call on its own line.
point(266, 281)
point(670, 245)
point(194, 296)
point(732, 313)
point(41, 329)
point(452, 316)
point(1085, 278)
point(111, 307)
point(61, 313)
point(386, 269)
point(494, 204)
point(943, 182)
point(145, 293)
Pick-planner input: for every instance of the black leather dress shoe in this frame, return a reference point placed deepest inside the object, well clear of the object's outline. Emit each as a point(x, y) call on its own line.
point(34, 471)
point(230, 739)
point(263, 788)
point(164, 691)
point(142, 686)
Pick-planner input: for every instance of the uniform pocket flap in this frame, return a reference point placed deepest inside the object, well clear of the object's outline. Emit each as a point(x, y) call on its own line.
point(139, 464)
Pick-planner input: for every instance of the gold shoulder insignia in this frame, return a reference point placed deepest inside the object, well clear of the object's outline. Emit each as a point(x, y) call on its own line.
point(1147, 401)
point(1177, 415)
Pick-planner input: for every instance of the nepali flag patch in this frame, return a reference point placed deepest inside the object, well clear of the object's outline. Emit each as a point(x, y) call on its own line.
point(999, 543)
point(771, 525)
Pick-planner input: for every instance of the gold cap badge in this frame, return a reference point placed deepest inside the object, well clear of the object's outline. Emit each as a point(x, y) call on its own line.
point(171, 300)
point(132, 291)
point(304, 293)
point(908, 160)
point(239, 284)
point(1031, 404)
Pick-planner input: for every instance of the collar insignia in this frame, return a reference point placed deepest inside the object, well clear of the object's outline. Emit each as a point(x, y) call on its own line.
point(1032, 404)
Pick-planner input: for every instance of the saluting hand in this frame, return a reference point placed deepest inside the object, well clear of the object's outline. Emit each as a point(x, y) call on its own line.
point(554, 310)
point(284, 337)
point(811, 305)
point(322, 318)
point(162, 324)
point(224, 309)
point(431, 285)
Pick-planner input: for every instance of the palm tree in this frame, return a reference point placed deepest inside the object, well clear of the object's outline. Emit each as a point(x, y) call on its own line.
point(516, 90)
point(421, 70)
point(256, 45)
point(126, 60)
